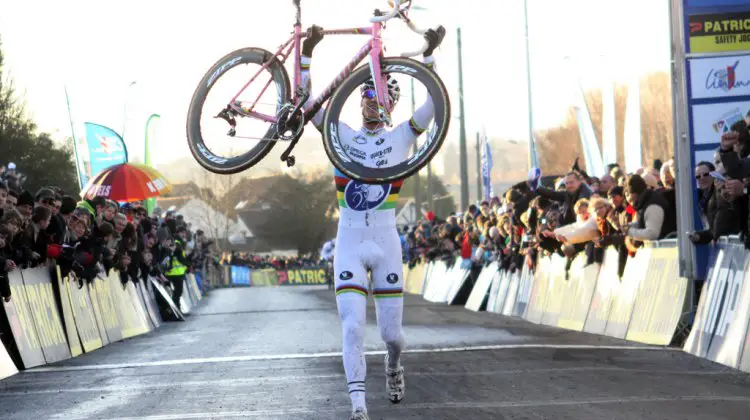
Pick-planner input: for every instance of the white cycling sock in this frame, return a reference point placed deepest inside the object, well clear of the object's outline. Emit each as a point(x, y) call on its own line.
point(390, 312)
point(352, 311)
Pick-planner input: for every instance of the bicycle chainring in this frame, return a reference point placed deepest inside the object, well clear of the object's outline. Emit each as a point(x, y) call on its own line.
point(289, 124)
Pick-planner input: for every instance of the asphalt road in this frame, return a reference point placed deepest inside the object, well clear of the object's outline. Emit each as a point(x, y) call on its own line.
point(272, 353)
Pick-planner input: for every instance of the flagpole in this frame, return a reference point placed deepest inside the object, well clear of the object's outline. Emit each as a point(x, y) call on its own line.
point(75, 144)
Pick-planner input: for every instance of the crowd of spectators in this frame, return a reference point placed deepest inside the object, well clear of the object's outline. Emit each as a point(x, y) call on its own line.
point(570, 215)
point(270, 261)
point(88, 237)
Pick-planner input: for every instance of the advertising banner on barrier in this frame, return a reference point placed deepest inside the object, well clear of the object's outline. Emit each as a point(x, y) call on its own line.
point(302, 276)
point(622, 307)
point(437, 276)
point(660, 300)
point(523, 293)
point(607, 288)
point(731, 324)
point(494, 286)
point(508, 291)
point(151, 308)
point(708, 306)
point(240, 276)
point(458, 279)
point(139, 316)
point(577, 300)
point(86, 323)
point(46, 316)
point(22, 322)
point(481, 288)
point(71, 331)
point(557, 290)
point(719, 32)
point(105, 309)
point(539, 289)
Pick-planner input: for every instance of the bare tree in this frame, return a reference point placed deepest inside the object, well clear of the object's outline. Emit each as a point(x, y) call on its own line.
point(212, 209)
point(559, 146)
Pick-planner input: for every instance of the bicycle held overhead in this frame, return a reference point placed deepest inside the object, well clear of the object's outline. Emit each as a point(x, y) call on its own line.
point(290, 110)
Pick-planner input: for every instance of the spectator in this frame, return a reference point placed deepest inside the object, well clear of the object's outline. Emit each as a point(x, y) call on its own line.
point(705, 191)
point(575, 189)
point(654, 217)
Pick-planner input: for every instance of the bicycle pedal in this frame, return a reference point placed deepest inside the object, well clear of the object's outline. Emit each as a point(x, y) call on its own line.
point(290, 161)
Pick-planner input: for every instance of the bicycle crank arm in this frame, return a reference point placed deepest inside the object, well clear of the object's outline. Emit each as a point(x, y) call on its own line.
point(286, 156)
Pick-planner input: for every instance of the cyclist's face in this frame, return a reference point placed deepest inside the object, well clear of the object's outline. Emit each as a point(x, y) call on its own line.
point(369, 108)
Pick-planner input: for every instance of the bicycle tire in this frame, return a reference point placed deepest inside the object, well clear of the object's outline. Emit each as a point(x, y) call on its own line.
point(436, 137)
point(200, 152)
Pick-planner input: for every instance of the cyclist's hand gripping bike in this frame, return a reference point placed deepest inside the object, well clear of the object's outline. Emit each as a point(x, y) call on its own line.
point(289, 115)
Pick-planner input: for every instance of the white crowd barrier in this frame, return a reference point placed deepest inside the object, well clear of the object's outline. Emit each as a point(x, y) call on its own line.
point(649, 304)
point(646, 305)
point(86, 317)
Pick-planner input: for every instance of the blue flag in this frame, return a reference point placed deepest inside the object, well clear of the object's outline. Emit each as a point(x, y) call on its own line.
point(105, 148)
point(487, 169)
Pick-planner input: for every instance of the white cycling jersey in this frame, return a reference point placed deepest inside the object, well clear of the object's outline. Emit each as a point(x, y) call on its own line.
point(328, 250)
point(365, 205)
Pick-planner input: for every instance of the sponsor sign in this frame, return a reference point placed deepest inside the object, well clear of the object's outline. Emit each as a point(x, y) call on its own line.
point(622, 307)
point(710, 121)
point(660, 300)
point(105, 309)
point(41, 300)
point(22, 322)
point(537, 299)
point(83, 312)
point(605, 293)
point(576, 304)
point(303, 276)
point(719, 32)
point(720, 77)
point(481, 288)
point(67, 314)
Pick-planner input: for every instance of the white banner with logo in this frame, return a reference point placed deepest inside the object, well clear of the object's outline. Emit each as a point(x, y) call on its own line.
point(710, 121)
point(720, 77)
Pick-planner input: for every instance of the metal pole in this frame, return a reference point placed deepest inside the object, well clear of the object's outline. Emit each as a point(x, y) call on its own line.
point(480, 196)
point(417, 183)
point(528, 85)
point(462, 138)
point(684, 186)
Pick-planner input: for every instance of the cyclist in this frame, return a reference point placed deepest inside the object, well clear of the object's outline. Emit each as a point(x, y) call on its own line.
point(326, 254)
point(367, 238)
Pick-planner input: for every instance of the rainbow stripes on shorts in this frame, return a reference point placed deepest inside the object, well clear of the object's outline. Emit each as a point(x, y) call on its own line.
point(351, 288)
point(388, 293)
point(377, 293)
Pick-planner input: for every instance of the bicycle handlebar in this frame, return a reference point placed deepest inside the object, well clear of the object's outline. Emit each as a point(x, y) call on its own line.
point(396, 11)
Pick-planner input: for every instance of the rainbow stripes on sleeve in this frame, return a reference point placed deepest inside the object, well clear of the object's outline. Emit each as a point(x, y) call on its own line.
point(342, 182)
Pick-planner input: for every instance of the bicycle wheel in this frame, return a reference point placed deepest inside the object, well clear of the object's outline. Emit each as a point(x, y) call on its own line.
point(351, 165)
point(196, 120)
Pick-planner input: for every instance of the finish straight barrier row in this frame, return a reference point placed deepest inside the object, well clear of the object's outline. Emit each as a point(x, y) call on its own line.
point(54, 319)
point(244, 276)
point(649, 304)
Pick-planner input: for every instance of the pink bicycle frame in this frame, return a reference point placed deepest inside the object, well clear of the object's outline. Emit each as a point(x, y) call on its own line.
point(373, 47)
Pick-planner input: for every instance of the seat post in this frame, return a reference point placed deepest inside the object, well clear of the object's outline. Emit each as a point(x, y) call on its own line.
point(298, 21)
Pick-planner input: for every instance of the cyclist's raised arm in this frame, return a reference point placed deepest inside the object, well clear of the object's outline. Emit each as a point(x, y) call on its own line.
point(308, 45)
point(426, 112)
point(306, 81)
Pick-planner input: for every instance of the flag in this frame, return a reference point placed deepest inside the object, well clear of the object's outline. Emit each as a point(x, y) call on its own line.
point(150, 133)
point(80, 168)
point(487, 169)
point(105, 147)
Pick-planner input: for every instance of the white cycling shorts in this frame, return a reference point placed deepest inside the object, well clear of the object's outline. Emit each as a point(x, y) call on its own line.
point(373, 250)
